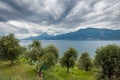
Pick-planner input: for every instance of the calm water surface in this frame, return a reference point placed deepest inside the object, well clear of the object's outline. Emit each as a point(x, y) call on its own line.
point(80, 46)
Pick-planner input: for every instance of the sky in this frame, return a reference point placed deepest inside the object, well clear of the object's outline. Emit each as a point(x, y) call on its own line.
point(27, 18)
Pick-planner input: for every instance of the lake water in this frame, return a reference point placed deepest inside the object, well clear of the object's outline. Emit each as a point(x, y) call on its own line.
point(80, 46)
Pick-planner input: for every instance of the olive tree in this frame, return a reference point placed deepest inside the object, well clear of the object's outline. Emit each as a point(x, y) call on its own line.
point(43, 57)
point(9, 48)
point(108, 59)
point(48, 59)
point(34, 51)
point(85, 62)
point(68, 60)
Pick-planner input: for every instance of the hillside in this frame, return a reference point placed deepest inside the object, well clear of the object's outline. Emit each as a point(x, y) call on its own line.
point(26, 72)
point(82, 34)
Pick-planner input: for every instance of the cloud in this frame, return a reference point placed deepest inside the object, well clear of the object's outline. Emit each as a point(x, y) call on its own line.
point(31, 18)
point(25, 29)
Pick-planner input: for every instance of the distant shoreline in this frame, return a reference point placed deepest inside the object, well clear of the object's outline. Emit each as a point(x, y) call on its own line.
point(70, 40)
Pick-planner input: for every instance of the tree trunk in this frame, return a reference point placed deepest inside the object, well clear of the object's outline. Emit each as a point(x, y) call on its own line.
point(40, 74)
point(86, 69)
point(110, 77)
point(11, 62)
point(67, 69)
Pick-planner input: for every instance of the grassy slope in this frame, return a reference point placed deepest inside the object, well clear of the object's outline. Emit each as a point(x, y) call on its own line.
point(16, 72)
point(59, 73)
point(26, 72)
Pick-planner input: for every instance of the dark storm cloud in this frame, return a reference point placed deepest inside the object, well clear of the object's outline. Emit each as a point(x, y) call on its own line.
point(58, 16)
point(19, 11)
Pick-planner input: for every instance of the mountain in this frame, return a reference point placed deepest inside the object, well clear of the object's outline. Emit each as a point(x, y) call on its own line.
point(83, 34)
point(43, 36)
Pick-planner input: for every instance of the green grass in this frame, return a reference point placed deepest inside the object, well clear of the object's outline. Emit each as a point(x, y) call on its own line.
point(16, 72)
point(59, 73)
point(27, 72)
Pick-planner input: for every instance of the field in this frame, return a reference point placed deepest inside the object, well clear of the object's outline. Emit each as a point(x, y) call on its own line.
point(22, 71)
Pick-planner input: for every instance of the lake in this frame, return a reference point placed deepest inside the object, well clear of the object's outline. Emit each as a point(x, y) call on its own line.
point(80, 46)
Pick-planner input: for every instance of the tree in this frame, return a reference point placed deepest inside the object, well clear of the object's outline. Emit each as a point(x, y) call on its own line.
point(85, 62)
point(48, 59)
point(43, 57)
point(68, 60)
point(35, 51)
point(9, 48)
point(108, 59)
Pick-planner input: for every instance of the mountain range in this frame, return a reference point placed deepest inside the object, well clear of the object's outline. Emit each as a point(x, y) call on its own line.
point(82, 34)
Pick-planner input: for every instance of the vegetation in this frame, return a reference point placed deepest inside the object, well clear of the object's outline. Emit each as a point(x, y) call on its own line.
point(9, 48)
point(68, 60)
point(45, 61)
point(108, 59)
point(18, 71)
point(85, 62)
point(48, 59)
point(22, 71)
point(43, 57)
point(35, 51)
point(50, 56)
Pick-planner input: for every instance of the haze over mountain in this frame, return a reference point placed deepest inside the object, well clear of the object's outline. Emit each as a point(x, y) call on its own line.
point(82, 34)
point(27, 18)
